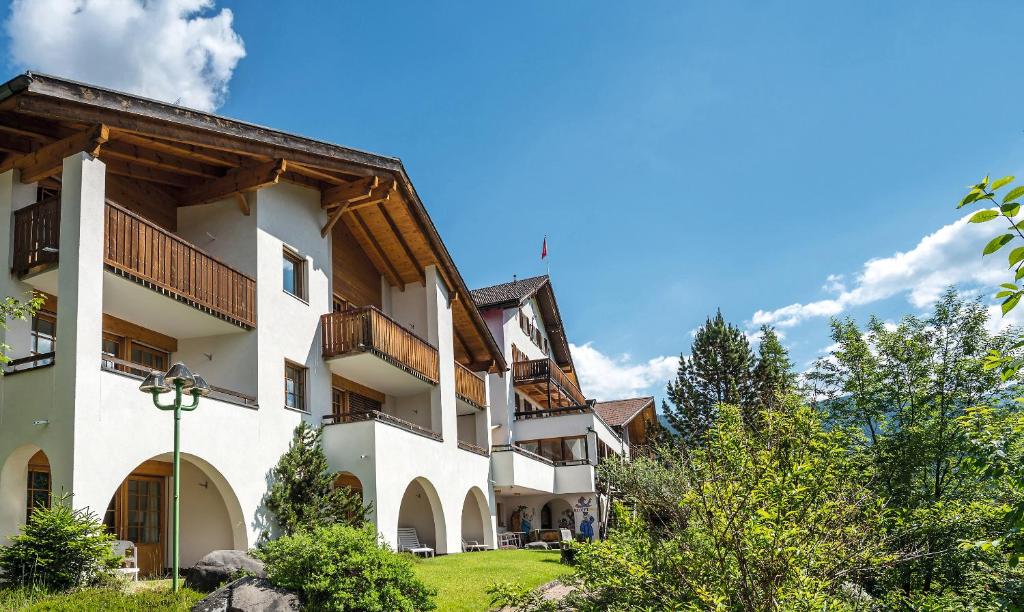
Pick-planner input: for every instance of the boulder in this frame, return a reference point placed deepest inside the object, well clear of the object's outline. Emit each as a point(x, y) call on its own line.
point(249, 594)
point(219, 567)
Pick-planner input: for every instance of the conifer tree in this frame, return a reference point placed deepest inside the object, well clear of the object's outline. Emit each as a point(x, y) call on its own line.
point(302, 494)
point(719, 370)
point(773, 374)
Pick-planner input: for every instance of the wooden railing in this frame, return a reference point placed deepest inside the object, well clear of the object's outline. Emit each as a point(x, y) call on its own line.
point(469, 386)
point(370, 330)
point(473, 448)
point(537, 370)
point(540, 414)
point(109, 363)
point(146, 253)
point(507, 448)
point(36, 236)
point(380, 417)
point(24, 364)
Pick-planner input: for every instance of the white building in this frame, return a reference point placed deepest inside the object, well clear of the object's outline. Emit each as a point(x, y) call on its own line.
point(304, 281)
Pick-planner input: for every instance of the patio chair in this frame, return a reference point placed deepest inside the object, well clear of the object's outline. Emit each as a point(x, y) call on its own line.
point(473, 546)
point(130, 555)
point(566, 536)
point(409, 541)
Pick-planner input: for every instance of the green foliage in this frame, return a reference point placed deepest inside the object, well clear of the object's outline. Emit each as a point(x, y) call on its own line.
point(302, 494)
point(773, 518)
point(15, 309)
point(909, 387)
point(60, 548)
point(107, 599)
point(507, 595)
point(339, 567)
point(773, 375)
point(718, 370)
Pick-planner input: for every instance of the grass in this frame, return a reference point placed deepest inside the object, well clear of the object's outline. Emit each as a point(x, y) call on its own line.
point(462, 580)
point(144, 596)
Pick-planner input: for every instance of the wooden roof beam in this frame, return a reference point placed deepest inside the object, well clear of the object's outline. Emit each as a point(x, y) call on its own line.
point(246, 178)
point(49, 159)
point(319, 175)
point(131, 169)
point(349, 192)
point(163, 161)
point(183, 150)
point(388, 268)
point(16, 143)
point(405, 245)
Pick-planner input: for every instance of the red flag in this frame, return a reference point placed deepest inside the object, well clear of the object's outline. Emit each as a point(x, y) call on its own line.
point(544, 249)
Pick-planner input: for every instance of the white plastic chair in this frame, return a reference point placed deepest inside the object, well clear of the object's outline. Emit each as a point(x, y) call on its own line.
point(409, 541)
point(130, 558)
point(473, 546)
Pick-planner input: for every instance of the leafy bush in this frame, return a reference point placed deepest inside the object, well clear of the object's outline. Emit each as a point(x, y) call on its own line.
point(59, 548)
point(518, 598)
point(344, 568)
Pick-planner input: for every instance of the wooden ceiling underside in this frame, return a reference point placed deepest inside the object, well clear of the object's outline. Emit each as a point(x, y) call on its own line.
point(156, 166)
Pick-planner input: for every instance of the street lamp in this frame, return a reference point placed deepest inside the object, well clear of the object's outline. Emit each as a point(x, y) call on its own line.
point(181, 381)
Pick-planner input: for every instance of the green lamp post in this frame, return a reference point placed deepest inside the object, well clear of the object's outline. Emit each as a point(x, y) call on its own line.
point(179, 380)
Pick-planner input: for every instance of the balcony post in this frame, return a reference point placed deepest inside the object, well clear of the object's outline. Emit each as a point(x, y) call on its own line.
point(13, 196)
point(443, 412)
point(80, 323)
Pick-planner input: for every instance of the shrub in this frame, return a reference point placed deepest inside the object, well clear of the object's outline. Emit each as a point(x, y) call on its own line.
point(339, 567)
point(59, 548)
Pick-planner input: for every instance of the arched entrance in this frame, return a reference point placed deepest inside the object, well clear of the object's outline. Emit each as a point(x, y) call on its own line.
point(140, 511)
point(25, 483)
point(557, 514)
point(421, 510)
point(476, 518)
point(351, 482)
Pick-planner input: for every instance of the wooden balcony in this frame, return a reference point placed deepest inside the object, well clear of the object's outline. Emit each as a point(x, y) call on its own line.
point(36, 237)
point(369, 332)
point(469, 387)
point(546, 384)
point(140, 251)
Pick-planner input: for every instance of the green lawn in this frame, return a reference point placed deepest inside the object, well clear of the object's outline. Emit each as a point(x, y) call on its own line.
point(462, 580)
point(145, 596)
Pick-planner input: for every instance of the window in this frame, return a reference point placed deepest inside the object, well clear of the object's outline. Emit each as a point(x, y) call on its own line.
point(110, 347)
point(149, 357)
point(294, 275)
point(143, 501)
point(558, 449)
point(294, 386)
point(44, 333)
point(340, 304)
point(347, 403)
point(38, 490)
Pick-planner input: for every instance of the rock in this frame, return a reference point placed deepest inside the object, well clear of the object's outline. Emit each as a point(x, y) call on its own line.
point(219, 567)
point(249, 594)
point(537, 546)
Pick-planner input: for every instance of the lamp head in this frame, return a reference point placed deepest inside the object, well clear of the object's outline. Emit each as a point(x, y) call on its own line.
point(154, 382)
point(199, 386)
point(179, 372)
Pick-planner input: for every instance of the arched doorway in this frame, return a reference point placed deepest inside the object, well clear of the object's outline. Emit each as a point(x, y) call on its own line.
point(25, 483)
point(351, 482)
point(421, 510)
point(140, 511)
point(476, 518)
point(557, 514)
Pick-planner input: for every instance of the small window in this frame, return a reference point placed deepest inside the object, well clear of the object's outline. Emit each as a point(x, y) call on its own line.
point(294, 386)
point(38, 490)
point(294, 275)
point(44, 333)
point(149, 357)
point(110, 346)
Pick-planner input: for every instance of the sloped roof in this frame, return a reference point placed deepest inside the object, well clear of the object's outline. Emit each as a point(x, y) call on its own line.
point(619, 412)
point(508, 294)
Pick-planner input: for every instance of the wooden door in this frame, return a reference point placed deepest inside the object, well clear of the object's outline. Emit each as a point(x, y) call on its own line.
point(136, 514)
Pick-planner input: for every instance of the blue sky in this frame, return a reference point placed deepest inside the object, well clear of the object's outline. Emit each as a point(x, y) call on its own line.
point(681, 156)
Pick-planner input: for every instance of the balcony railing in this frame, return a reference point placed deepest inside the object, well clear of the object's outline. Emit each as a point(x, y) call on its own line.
point(547, 371)
point(24, 364)
point(473, 448)
point(469, 386)
point(370, 330)
point(109, 363)
point(540, 414)
point(512, 448)
point(148, 254)
point(36, 236)
point(144, 253)
point(380, 417)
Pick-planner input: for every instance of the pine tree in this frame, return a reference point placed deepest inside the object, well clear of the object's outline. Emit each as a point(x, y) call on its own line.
point(773, 374)
point(302, 494)
point(718, 370)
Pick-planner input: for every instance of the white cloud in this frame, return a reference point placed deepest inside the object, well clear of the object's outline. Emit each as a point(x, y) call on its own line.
point(949, 256)
point(172, 50)
point(606, 377)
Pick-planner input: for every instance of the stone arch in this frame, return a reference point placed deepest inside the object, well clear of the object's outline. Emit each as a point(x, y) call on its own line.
point(421, 509)
point(211, 515)
point(476, 518)
point(14, 481)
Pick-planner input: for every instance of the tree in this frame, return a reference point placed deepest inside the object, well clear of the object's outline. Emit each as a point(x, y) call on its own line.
point(773, 375)
point(778, 518)
point(719, 370)
point(908, 386)
point(302, 494)
point(15, 309)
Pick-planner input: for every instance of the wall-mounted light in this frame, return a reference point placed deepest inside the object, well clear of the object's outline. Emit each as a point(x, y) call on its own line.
point(40, 422)
point(50, 249)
